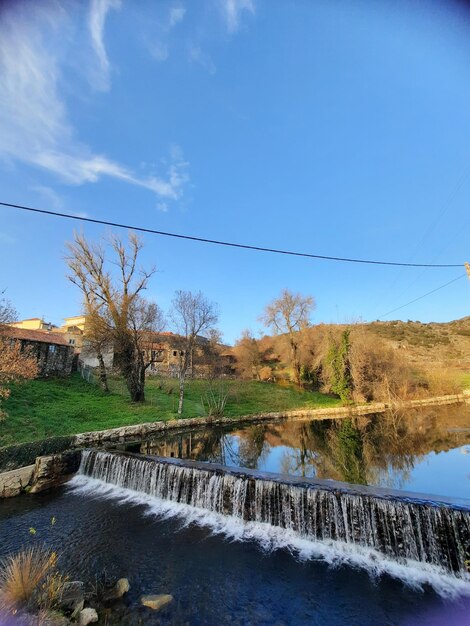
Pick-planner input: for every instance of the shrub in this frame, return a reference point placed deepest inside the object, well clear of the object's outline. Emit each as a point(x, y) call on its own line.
point(338, 366)
point(215, 398)
point(23, 575)
point(266, 373)
point(378, 371)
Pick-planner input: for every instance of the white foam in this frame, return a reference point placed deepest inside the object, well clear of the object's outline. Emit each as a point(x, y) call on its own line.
point(335, 553)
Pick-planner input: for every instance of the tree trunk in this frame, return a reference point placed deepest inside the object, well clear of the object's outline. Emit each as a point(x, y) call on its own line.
point(136, 387)
point(184, 366)
point(181, 398)
point(295, 362)
point(102, 371)
point(135, 379)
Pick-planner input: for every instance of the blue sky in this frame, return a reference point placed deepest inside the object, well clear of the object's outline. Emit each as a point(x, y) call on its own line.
point(335, 127)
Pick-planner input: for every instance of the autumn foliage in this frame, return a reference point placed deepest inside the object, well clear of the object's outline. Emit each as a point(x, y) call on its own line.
point(15, 366)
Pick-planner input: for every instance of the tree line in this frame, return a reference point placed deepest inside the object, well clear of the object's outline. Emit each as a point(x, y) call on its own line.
point(345, 360)
point(342, 360)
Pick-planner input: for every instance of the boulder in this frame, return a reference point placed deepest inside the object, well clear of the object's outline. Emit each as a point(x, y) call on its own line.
point(87, 616)
point(72, 597)
point(156, 602)
point(53, 470)
point(120, 588)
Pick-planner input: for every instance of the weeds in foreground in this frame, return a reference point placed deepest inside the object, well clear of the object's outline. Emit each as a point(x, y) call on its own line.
point(26, 574)
point(30, 579)
point(215, 399)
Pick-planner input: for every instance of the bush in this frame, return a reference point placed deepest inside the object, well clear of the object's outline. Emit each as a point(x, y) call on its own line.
point(338, 366)
point(266, 373)
point(23, 576)
point(215, 398)
point(378, 371)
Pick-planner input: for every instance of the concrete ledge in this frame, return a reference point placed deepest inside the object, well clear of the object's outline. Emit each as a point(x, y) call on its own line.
point(383, 493)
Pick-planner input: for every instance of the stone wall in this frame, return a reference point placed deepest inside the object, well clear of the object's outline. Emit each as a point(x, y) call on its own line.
point(54, 360)
point(16, 481)
point(48, 472)
point(138, 431)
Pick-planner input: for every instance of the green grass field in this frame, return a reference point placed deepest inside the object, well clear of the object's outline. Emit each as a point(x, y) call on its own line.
point(46, 408)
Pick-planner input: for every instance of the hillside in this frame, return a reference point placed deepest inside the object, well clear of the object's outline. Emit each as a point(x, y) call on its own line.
point(439, 350)
point(434, 344)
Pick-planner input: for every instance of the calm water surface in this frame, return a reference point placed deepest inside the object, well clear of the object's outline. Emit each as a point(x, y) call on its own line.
point(423, 451)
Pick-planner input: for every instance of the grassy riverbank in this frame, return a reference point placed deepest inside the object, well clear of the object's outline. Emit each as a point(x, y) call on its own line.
point(47, 408)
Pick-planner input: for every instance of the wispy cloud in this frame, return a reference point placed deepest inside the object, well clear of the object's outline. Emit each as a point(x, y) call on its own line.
point(232, 11)
point(96, 22)
point(197, 55)
point(159, 50)
point(7, 239)
point(49, 195)
point(34, 123)
point(158, 42)
point(177, 13)
point(54, 201)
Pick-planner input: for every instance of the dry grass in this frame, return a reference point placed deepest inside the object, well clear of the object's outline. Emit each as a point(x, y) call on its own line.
point(441, 381)
point(25, 576)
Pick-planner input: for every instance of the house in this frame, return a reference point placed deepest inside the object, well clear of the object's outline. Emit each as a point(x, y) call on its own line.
point(164, 350)
point(74, 329)
point(54, 354)
point(34, 323)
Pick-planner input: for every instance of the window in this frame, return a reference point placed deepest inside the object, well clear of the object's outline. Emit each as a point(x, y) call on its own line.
point(72, 342)
point(51, 349)
point(174, 353)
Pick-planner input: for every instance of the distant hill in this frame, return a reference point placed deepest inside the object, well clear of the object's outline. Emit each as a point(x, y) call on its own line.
point(434, 344)
point(439, 347)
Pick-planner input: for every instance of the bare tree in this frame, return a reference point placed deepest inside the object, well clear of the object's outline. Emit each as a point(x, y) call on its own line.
point(290, 314)
point(8, 313)
point(115, 301)
point(193, 316)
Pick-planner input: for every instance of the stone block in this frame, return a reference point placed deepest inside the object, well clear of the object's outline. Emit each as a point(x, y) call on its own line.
point(12, 483)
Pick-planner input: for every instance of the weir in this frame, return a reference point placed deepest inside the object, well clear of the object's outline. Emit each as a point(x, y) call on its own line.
point(400, 525)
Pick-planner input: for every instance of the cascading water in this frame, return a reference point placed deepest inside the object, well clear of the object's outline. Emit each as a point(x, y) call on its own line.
point(405, 530)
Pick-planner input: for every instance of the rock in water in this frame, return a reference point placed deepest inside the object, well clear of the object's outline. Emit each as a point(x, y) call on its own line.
point(156, 602)
point(73, 596)
point(87, 616)
point(120, 588)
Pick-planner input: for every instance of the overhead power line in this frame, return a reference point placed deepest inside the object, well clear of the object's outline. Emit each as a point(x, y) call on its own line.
point(223, 243)
point(454, 280)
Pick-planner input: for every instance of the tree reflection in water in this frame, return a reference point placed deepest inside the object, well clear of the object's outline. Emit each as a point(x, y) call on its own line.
point(377, 450)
